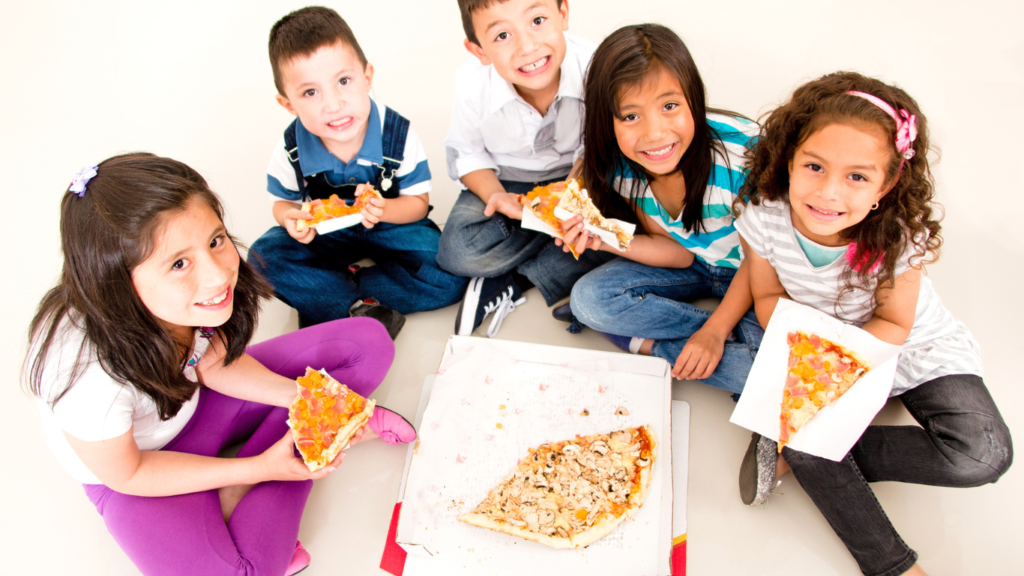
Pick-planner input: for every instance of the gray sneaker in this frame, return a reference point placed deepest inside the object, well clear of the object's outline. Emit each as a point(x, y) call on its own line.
point(392, 320)
point(757, 472)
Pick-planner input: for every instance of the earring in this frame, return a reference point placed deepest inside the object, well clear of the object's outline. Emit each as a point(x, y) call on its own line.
point(875, 207)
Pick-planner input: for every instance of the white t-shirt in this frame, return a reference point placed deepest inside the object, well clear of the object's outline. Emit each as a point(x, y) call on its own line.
point(493, 128)
point(938, 344)
point(97, 407)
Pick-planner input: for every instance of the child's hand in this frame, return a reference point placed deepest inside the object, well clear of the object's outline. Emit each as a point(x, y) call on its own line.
point(291, 219)
point(506, 203)
point(700, 356)
point(374, 209)
point(280, 463)
point(574, 235)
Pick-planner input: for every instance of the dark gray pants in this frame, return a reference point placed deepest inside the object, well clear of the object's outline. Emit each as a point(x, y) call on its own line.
point(963, 443)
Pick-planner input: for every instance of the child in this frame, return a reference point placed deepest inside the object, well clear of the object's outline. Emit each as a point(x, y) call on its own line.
point(840, 218)
point(341, 141)
point(516, 125)
point(138, 363)
point(656, 157)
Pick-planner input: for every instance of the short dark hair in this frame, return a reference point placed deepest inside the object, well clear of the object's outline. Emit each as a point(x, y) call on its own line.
point(466, 9)
point(105, 234)
point(305, 31)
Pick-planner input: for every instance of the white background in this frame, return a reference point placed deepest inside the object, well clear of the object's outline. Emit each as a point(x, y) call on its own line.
point(191, 80)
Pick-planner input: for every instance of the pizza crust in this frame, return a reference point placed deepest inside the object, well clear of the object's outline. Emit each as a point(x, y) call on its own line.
point(484, 521)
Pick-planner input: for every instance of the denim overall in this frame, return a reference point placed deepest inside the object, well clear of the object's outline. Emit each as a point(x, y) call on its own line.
point(315, 278)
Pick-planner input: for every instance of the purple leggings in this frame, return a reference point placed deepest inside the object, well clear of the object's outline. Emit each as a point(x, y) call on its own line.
point(186, 534)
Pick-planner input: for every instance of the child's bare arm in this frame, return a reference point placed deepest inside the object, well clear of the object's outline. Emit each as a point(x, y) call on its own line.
point(655, 249)
point(765, 287)
point(484, 183)
point(287, 214)
point(897, 308)
point(702, 352)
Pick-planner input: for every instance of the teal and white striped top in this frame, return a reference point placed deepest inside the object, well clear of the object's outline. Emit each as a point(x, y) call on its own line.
point(719, 244)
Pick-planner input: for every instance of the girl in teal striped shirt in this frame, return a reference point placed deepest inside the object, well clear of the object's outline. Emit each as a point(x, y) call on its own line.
point(657, 157)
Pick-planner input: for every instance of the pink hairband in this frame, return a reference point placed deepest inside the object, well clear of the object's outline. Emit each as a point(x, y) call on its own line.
point(906, 126)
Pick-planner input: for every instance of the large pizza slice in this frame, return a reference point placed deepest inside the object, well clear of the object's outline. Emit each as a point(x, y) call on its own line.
point(569, 494)
point(324, 416)
point(543, 200)
point(820, 371)
point(333, 207)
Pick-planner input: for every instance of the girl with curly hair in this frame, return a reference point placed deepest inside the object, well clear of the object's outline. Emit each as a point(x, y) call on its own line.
point(140, 364)
point(839, 217)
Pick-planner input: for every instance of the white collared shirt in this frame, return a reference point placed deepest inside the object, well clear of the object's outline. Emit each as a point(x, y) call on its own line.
point(493, 127)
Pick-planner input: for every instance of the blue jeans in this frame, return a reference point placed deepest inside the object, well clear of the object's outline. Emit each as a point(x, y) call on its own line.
point(478, 245)
point(962, 441)
point(312, 277)
point(631, 299)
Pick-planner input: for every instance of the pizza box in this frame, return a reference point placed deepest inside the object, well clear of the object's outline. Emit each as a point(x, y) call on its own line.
point(531, 222)
point(836, 428)
point(335, 224)
point(536, 393)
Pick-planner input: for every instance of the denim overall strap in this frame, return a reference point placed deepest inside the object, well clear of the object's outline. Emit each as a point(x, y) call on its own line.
point(392, 141)
point(291, 147)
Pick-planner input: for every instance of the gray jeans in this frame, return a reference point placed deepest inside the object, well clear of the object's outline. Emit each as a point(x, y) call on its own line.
point(963, 443)
point(476, 245)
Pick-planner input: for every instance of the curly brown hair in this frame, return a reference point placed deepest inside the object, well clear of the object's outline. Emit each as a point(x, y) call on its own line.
point(905, 222)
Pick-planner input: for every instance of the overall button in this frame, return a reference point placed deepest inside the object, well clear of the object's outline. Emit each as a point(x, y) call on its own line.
point(351, 180)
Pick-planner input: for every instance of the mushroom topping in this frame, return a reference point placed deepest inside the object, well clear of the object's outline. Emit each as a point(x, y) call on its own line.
point(600, 447)
point(606, 486)
point(622, 411)
point(574, 467)
point(585, 412)
point(547, 516)
point(549, 530)
point(571, 451)
point(620, 474)
point(551, 456)
point(541, 482)
point(561, 532)
point(535, 204)
point(622, 437)
point(531, 518)
point(549, 467)
point(642, 462)
point(836, 378)
point(536, 457)
point(858, 373)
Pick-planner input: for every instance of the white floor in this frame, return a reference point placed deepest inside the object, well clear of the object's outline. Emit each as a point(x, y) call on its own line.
point(190, 80)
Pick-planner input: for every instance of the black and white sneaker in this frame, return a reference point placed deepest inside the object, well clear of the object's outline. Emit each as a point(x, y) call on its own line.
point(484, 296)
point(392, 320)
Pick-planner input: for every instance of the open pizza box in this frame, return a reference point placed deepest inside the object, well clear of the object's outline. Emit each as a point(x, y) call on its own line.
point(536, 394)
point(836, 428)
point(531, 222)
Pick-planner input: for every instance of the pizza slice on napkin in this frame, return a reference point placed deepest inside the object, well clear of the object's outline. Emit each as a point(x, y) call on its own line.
point(820, 371)
point(569, 494)
point(333, 207)
point(324, 416)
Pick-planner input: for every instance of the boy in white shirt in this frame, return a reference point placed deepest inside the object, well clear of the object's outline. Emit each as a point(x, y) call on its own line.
point(516, 124)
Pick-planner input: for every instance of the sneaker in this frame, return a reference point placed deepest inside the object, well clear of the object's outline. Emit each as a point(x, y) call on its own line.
point(300, 560)
point(391, 426)
point(392, 321)
point(483, 297)
point(757, 471)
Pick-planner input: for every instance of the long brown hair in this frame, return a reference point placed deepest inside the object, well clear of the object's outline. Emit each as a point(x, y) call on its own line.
point(625, 59)
point(904, 223)
point(105, 234)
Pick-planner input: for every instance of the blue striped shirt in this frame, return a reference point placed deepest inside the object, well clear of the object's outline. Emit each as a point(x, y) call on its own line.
point(718, 244)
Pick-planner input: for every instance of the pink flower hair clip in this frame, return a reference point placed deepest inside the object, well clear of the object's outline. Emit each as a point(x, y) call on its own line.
point(906, 126)
point(81, 179)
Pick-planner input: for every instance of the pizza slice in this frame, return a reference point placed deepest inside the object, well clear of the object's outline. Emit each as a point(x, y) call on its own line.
point(575, 201)
point(569, 494)
point(820, 371)
point(543, 200)
point(333, 207)
point(324, 416)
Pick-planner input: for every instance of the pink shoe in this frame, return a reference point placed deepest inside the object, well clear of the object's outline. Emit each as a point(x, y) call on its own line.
point(391, 427)
point(300, 560)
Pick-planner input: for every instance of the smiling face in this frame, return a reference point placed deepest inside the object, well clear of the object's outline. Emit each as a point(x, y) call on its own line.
point(525, 41)
point(330, 93)
point(654, 126)
point(190, 277)
point(836, 176)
